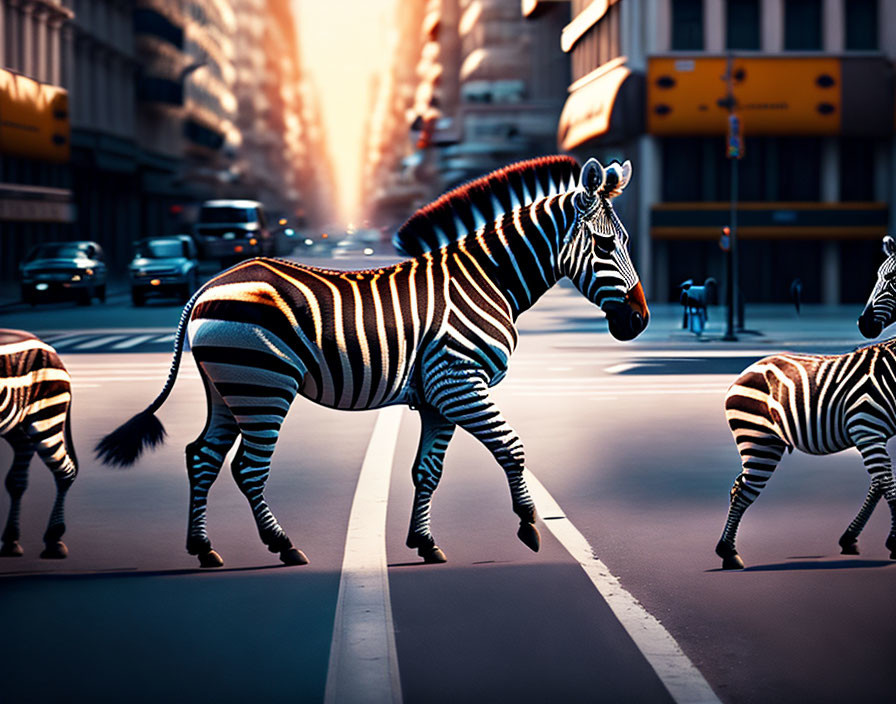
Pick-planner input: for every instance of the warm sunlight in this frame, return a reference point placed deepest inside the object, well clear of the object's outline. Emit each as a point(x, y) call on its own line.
point(344, 44)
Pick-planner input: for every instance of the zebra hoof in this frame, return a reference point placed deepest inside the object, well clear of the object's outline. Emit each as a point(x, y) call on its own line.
point(528, 533)
point(11, 549)
point(55, 551)
point(432, 554)
point(732, 562)
point(849, 544)
point(210, 559)
point(293, 556)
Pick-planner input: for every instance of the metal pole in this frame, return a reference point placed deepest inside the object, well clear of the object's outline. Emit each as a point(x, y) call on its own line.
point(733, 282)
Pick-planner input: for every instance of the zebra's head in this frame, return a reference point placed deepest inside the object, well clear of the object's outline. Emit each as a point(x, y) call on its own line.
point(595, 252)
point(880, 311)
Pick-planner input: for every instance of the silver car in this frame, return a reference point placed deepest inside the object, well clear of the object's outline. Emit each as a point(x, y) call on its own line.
point(164, 266)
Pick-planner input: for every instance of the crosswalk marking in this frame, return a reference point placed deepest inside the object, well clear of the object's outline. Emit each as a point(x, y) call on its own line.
point(98, 342)
point(132, 342)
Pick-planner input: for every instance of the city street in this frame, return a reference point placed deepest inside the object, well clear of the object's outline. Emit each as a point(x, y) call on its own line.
point(629, 440)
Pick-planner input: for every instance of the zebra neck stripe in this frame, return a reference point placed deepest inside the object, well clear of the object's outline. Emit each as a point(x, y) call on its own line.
point(683, 681)
point(363, 658)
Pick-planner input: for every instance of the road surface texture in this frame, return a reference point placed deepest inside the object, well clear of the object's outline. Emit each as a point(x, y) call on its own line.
point(629, 441)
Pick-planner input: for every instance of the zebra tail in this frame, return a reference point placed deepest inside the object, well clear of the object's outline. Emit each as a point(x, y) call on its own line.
point(124, 445)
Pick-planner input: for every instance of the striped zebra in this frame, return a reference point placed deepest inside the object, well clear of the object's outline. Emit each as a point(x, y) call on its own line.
point(433, 332)
point(819, 404)
point(35, 404)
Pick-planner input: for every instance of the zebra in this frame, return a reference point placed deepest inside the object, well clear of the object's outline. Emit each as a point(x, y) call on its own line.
point(819, 404)
point(35, 415)
point(433, 332)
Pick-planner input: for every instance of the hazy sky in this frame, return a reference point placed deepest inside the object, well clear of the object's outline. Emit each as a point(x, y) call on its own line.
point(344, 43)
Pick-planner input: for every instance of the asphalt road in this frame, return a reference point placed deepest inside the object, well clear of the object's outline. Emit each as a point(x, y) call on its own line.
point(629, 439)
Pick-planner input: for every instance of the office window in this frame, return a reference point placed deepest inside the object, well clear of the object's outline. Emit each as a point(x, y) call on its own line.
point(687, 25)
point(856, 169)
point(742, 20)
point(682, 174)
point(799, 168)
point(802, 25)
point(861, 25)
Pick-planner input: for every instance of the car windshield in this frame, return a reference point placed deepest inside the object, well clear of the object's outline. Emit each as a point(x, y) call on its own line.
point(226, 214)
point(160, 249)
point(58, 250)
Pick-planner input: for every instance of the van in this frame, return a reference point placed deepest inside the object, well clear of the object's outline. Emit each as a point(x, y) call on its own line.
point(232, 230)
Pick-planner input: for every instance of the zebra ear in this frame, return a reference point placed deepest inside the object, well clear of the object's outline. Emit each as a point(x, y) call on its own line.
point(626, 174)
point(592, 177)
point(889, 246)
point(616, 178)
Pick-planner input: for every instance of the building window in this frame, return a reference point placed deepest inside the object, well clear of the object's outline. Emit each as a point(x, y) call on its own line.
point(687, 25)
point(742, 20)
point(857, 169)
point(802, 25)
point(861, 25)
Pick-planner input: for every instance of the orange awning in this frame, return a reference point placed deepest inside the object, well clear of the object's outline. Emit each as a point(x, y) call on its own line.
point(588, 108)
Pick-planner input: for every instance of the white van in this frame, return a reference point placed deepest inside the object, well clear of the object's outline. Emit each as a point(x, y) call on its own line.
point(233, 230)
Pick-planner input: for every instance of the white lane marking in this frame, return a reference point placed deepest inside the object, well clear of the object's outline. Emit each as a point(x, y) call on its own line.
point(363, 659)
point(68, 340)
point(98, 342)
point(165, 338)
point(683, 681)
point(619, 368)
point(132, 342)
point(683, 391)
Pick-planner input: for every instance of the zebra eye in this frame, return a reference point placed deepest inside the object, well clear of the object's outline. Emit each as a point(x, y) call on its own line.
point(890, 275)
point(605, 245)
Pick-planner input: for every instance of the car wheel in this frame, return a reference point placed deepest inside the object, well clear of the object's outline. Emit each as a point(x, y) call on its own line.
point(28, 296)
point(138, 297)
point(101, 293)
point(84, 297)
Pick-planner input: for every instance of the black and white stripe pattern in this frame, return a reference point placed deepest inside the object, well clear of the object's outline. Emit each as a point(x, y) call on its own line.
point(35, 400)
point(819, 405)
point(434, 332)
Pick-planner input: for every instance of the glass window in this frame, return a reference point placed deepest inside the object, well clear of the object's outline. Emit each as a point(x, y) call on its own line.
point(687, 25)
point(682, 169)
point(856, 169)
point(802, 25)
point(742, 19)
point(799, 169)
point(861, 25)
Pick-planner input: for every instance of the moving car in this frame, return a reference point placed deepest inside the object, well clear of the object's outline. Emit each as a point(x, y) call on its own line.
point(64, 270)
point(233, 230)
point(164, 266)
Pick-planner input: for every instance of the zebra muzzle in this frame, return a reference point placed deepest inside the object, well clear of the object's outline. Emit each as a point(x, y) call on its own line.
point(627, 320)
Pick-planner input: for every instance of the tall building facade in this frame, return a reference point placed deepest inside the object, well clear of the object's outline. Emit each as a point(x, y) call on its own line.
point(36, 200)
point(811, 84)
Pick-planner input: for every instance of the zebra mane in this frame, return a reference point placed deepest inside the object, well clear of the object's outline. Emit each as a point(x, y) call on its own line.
point(476, 203)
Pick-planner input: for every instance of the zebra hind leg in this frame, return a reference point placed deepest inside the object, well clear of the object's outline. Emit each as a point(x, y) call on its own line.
point(251, 468)
point(760, 454)
point(16, 483)
point(849, 541)
point(205, 455)
point(435, 434)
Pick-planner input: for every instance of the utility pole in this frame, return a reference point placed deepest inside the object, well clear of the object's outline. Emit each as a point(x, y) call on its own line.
point(734, 152)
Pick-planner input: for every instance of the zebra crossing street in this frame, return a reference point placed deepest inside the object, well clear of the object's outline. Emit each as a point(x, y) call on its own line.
point(102, 341)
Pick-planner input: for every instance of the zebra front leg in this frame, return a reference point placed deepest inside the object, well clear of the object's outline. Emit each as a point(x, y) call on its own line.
point(251, 468)
point(435, 434)
point(849, 541)
point(877, 462)
point(16, 483)
point(461, 396)
point(56, 452)
point(759, 456)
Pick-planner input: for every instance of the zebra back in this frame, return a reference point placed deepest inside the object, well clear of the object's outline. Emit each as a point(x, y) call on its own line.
point(482, 201)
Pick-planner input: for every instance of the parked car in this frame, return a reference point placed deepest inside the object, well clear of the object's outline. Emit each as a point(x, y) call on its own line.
point(164, 266)
point(64, 270)
point(233, 230)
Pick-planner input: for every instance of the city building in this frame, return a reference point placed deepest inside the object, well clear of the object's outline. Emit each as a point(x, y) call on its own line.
point(811, 84)
point(36, 200)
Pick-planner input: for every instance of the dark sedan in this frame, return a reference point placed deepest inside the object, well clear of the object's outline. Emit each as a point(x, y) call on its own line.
point(164, 266)
point(64, 270)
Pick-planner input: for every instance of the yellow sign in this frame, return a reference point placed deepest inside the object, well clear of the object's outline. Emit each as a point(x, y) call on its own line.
point(34, 119)
point(773, 95)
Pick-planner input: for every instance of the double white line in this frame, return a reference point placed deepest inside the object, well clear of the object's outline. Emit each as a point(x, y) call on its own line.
point(363, 658)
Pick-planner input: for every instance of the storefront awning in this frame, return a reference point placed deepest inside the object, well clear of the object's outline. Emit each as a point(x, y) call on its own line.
point(596, 106)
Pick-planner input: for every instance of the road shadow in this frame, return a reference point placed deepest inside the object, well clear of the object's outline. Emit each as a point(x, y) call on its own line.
point(131, 572)
point(844, 564)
